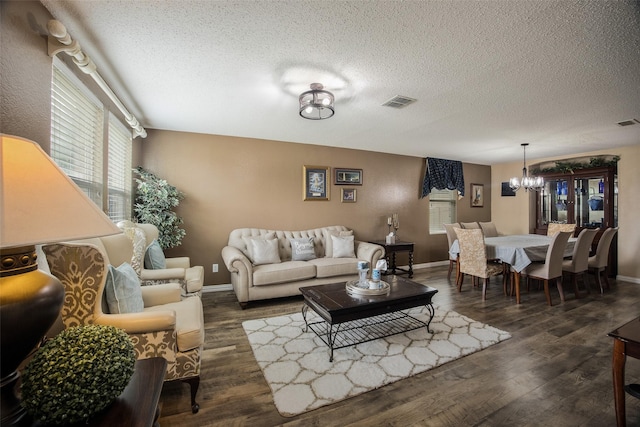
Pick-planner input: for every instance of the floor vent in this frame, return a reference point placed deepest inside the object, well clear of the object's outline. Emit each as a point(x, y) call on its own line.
point(628, 122)
point(399, 101)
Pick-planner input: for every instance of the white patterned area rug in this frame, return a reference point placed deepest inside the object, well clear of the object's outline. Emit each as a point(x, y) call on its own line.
point(296, 363)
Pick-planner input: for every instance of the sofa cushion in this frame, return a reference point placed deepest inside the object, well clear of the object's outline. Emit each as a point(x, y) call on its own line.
point(122, 289)
point(302, 249)
point(154, 257)
point(189, 322)
point(343, 247)
point(331, 267)
point(328, 250)
point(288, 271)
point(264, 251)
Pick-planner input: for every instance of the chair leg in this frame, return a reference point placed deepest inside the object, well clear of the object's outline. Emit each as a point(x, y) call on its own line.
point(194, 383)
point(560, 290)
point(585, 279)
point(546, 292)
point(460, 279)
point(485, 282)
point(606, 277)
point(574, 281)
point(597, 273)
point(451, 263)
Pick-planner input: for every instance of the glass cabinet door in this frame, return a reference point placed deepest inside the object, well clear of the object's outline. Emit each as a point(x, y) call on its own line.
point(555, 201)
point(589, 201)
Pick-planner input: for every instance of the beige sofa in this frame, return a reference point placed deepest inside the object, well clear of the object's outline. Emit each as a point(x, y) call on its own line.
point(253, 280)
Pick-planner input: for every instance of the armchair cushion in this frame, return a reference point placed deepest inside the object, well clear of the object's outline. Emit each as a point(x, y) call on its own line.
point(123, 290)
point(154, 257)
point(189, 322)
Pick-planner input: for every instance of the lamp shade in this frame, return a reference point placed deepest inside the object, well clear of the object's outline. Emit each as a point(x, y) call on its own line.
point(39, 203)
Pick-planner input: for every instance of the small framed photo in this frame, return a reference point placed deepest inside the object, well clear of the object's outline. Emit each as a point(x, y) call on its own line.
point(506, 190)
point(315, 183)
point(477, 195)
point(348, 195)
point(347, 176)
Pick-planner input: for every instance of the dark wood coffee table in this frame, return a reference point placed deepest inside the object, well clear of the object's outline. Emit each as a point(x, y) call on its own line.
point(349, 319)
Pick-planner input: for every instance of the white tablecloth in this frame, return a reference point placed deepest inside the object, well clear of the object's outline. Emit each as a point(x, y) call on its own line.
point(518, 250)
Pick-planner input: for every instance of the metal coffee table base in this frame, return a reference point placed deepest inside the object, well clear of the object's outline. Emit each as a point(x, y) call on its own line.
point(345, 334)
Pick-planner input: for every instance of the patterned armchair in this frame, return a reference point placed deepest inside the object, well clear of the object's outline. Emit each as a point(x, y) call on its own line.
point(169, 326)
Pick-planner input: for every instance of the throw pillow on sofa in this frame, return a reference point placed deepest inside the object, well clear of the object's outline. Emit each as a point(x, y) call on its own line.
point(247, 242)
point(343, 247)
point(122, 289)
point(154, 257)
point(302, 249)
point(264, 251)
point(328, 249)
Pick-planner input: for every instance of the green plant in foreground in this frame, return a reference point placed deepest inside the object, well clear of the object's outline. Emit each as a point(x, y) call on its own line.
point(77, 373)
point(155, 201)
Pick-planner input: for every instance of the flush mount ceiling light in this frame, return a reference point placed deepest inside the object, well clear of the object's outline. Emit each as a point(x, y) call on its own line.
point(527, 182)
point(317, 103)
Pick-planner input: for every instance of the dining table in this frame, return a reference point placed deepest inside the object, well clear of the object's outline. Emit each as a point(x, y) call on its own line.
point(518, 251)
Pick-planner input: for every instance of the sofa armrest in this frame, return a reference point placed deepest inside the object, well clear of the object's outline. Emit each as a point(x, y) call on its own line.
point(178, 262)
point(137, 323)
point(241, 271)
point(163, 274)
point(161, 294)
point(369, 252)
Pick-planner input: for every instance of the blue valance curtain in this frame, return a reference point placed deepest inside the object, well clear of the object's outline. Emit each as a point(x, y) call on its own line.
point(443, 174)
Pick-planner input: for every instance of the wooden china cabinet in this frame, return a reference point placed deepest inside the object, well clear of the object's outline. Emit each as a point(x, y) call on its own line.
point(585, 197)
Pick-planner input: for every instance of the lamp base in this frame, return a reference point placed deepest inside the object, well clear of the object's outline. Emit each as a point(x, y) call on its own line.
point(30, 302)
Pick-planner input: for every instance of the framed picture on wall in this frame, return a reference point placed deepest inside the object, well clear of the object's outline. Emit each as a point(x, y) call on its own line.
point(315, 183)
point(477, 195)
point(347, 176)
point(348, 195)
point(506, 190)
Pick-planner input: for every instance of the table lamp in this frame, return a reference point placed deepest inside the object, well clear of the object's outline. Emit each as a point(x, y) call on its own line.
point(39, 204)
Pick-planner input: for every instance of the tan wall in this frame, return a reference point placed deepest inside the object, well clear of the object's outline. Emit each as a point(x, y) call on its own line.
point(237, 182)
point(515, 215)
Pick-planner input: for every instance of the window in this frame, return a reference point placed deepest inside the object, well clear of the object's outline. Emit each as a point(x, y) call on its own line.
point(119, 175)
point(442, 209)
point(76, 132)
point(78, 142)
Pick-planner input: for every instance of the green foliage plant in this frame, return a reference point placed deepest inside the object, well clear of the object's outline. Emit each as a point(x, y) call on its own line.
point(77, 373)
point(155, 201)
point(567, 166)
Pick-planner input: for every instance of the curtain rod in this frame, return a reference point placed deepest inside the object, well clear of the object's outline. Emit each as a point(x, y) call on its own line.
point(60, 41)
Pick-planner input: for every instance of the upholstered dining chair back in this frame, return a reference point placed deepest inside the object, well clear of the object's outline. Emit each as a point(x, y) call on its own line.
point(601, 258)
point(553, 228)
point(580, 258)
point(470, 225)
point(451, 237)
point(473, 258)
point(489, 229)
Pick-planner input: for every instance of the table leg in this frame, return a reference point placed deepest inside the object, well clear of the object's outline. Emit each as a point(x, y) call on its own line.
point(619, 359)
point(410, 264)
point(517, 280)
point(393, 263)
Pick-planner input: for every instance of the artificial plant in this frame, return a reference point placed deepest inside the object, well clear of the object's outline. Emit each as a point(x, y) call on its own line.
point(155, 201)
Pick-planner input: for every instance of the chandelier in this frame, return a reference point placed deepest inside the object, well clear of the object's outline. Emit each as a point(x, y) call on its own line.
point(527, 182)
point(317, 103)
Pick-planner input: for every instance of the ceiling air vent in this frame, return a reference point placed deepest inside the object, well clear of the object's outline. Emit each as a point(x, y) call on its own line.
point(399, 101)
point(628, 122)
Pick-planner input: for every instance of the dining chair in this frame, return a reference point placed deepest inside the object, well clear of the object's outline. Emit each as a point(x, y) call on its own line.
point(551, 268)
point(579, 261)
point(473, 259)
point(470, 225)
point(451, 237)
point(553, 228)
point(489, 229)
point(599, 263)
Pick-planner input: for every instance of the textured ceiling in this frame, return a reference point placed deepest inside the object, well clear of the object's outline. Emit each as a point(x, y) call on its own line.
point(488, 75)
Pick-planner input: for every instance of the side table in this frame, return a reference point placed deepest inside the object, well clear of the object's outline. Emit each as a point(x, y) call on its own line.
point(626, 343)
point(390, 250)
point(137, 406)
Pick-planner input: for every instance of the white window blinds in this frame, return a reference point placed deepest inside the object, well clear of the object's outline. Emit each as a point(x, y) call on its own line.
point(442, 209)
point(119, 170)
point(76, 132)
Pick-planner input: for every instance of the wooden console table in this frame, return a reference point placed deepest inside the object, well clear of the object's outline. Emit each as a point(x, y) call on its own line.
point(137, 406)
point(626, 343)
point(390, 250)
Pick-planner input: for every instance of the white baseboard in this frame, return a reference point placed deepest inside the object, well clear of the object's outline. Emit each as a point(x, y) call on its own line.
point(217, 288)
point(635, 280)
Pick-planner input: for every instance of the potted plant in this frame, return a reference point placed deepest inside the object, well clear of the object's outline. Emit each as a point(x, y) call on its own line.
point(155, 201)
point(77, 374)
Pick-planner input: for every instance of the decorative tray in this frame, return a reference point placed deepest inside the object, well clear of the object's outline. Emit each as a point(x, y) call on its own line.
point(355, 287)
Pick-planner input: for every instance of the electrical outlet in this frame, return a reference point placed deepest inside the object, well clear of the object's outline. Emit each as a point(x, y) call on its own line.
point(215, 268)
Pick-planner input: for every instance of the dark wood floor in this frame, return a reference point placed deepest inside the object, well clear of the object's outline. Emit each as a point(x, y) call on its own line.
point(554, 371)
